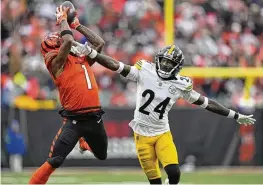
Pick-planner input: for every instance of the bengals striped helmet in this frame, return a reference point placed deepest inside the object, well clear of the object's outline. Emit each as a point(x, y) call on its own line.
point(52, 41)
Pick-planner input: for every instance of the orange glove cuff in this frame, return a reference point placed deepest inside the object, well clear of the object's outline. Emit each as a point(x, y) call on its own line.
point(75, 23)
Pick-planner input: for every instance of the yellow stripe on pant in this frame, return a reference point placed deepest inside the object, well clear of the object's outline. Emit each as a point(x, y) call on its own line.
point(151, 149)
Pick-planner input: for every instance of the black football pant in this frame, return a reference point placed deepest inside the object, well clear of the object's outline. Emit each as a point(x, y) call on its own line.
point(71, 131)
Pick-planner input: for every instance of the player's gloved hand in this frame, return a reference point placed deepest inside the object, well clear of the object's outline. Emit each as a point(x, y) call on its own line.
point(61, 14)
point(245, 120)
point(76, 50)
point(83, 49)
point(87, 49)
point(75, 23)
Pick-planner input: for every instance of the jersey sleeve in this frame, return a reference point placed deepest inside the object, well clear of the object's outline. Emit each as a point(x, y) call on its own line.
point(185, 84)
point(135, 71)
point(191, 96)
point(133, 74)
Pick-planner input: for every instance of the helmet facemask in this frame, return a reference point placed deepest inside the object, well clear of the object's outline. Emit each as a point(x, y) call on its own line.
point(169, 63)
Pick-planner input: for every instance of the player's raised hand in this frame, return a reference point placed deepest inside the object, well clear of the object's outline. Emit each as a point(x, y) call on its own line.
point(75, 22)
point(61, 14)
point(245, 120)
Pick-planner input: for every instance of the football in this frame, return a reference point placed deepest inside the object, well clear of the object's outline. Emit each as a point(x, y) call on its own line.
point(71, 13)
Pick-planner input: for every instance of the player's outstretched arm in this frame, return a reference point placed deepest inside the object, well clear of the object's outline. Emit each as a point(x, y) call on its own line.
point(217, 108)
point(130, 72)
point(112, 64)
point(66, 34)
point(186, 85)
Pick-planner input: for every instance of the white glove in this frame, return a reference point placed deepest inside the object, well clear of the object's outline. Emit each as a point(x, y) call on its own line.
point(83, 49)
point(75, 50)
point(245, 120)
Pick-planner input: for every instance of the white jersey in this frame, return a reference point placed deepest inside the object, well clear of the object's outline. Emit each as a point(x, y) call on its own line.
point(155, 98)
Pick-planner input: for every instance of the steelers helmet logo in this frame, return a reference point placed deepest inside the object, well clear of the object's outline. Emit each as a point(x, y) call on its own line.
point(172, 89)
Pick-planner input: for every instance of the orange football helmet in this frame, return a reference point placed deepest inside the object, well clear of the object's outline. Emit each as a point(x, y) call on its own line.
point(52, 41)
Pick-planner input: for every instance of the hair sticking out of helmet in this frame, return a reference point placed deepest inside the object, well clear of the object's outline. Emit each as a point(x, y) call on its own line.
point(169, 62)
point(52, 41)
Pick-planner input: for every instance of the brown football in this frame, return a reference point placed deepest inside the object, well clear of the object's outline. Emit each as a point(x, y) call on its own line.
point(71, 12)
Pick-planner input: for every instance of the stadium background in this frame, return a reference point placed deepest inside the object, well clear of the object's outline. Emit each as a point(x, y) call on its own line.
point(227, 34)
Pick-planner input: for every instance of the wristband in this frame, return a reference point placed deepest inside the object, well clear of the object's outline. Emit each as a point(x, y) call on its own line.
point(120, 69)
point(93, 53)
point(65, 32)
point(231, 114)
point(205, 104)
point(236, 116)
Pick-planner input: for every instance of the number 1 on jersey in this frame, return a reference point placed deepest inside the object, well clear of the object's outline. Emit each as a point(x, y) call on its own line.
point(87, 76)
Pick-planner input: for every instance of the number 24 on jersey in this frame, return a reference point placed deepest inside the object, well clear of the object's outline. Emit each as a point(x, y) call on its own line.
point(160, 108)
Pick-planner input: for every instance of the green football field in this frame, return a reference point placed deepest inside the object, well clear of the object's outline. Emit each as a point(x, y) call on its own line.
point(136, 176)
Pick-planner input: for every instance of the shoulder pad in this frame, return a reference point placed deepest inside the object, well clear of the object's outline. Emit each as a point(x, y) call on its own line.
point(184, 83)
point(140, 63)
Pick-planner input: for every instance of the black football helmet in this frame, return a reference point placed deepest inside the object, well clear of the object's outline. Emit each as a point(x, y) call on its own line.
point(169, 61)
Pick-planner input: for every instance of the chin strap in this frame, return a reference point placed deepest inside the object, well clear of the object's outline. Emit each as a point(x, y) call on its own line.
point(172, 77)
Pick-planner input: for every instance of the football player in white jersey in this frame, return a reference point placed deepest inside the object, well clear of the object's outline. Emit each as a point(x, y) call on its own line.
point(159, 85)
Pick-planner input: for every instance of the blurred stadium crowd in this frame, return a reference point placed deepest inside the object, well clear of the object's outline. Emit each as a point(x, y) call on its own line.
point(211, 33)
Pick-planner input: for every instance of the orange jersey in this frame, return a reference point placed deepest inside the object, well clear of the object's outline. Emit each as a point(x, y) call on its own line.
point(78, 90)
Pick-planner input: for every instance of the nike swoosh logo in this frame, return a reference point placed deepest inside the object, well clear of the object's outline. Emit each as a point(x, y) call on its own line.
point(99, 121)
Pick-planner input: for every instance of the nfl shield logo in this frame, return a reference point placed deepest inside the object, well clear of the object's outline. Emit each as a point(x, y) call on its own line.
point(172, 89)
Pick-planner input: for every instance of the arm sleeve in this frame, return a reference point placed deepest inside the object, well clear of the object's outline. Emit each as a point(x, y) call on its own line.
point(190, 96)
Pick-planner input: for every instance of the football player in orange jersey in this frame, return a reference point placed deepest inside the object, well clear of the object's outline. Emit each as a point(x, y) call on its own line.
point(78, 92)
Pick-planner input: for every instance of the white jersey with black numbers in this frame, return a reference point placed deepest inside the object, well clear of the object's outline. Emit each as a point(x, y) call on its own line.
point(155, 98)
